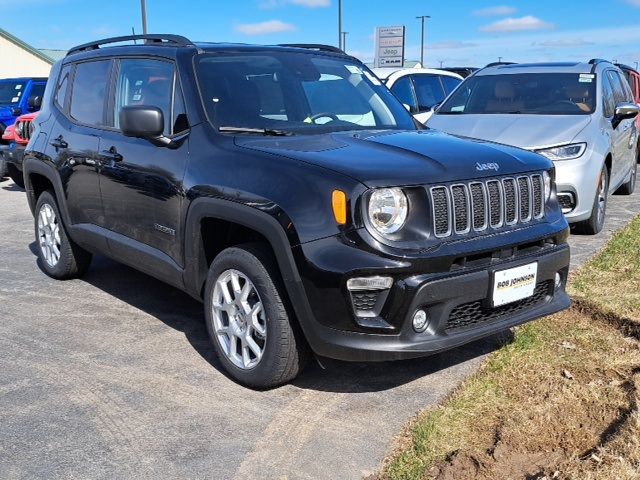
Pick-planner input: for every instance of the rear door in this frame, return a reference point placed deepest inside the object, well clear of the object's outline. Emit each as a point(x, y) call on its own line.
point(141, 183)
point(74, 139)
point(625, 132)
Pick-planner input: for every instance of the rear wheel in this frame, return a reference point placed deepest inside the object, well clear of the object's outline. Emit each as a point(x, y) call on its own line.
point(16, 175)
point(60, 257)
point(595, 222)
point(252, 332)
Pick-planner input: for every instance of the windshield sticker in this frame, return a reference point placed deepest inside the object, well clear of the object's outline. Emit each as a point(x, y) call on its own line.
point(587, 75)
point(353, 69)
point(15, 99)
point(373, 79)
point(585, 80)
point(18, 87)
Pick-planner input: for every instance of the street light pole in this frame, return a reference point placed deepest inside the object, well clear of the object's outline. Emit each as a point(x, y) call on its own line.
point(143, 8)
point(421, 18)
point(340, 25)
point(344, 41)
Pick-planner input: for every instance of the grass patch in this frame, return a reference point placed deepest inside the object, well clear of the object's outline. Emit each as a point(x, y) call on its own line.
point(561, 397)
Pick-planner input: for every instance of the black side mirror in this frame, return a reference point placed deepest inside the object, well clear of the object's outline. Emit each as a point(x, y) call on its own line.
point(144, 121)
point(34, 103)
point(624, 111)
point(16, 111)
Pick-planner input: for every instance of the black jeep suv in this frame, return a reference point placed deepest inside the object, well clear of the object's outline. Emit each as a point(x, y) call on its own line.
point(287, 188)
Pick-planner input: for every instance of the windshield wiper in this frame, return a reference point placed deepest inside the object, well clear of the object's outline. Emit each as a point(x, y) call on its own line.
point(260, 131)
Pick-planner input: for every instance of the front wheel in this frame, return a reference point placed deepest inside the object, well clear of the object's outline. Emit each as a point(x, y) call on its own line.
point(595, 222)
point(60, 257)
point(252, 332)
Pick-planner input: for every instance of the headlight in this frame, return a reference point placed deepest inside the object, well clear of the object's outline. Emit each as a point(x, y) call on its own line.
point(565, 152)
point(388, 209)
point(546, 176)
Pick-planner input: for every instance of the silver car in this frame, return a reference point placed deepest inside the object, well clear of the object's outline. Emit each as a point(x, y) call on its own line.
point(580, 115)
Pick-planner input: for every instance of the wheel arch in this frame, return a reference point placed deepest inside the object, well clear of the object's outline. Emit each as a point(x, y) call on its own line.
point(39, 175)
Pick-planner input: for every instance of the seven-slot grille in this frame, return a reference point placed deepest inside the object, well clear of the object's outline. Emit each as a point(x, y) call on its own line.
point(477, 205)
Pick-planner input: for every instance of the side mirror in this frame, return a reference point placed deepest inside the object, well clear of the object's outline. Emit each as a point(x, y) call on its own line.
point(624, 111)
point(16, 111)
point(141, 121)
point(34, 103)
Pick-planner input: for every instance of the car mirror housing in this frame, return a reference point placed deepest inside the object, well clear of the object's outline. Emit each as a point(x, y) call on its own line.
point(625, 111)
point(141, 121)
point(34, 103)
point(16, 111)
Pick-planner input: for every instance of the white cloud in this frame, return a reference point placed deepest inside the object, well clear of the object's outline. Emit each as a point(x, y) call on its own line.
point(450, 45)
point(264, 28)
point(527, 23)
point(564, 43)
point(497, 11)
point(268, 4)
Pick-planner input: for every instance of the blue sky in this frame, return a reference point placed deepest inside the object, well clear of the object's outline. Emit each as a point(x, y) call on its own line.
point(471, 32)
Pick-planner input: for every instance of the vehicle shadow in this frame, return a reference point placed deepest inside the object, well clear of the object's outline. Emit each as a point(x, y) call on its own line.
point(179, 311)
point(12, 187)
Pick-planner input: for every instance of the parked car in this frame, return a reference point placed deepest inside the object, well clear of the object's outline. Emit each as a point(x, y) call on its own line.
point(14, 98)
point(464, 72)
point(16, 136)
point(419, 89)
point(7, 136)
point(288, 190)
point(633, 77)
point(580, 115)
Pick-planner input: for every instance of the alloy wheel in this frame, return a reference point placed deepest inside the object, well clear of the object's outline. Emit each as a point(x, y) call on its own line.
point(239, 319)
point(49, 235)
point(602, 196)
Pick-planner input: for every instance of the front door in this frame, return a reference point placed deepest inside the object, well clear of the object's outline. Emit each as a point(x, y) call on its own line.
point(141, 183)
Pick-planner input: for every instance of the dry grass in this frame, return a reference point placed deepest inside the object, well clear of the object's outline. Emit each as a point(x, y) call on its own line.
point(560, 398)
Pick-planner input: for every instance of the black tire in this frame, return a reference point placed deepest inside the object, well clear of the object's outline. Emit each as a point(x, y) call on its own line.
point(3, 168)
point(16, 175)
point(73, 261)
point(595, 222)
point(284, 348)
point(629, 187)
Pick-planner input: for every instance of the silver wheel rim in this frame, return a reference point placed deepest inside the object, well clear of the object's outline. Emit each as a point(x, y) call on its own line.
point(49, 235)
point(239, 319)
point(602, 196)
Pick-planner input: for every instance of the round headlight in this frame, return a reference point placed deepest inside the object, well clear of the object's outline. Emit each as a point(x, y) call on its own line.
point(388, 210)
point(547, 185)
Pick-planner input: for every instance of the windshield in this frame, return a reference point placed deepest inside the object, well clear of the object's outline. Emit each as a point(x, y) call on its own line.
point(295, 92)
point(10, 92)
point(528, 93)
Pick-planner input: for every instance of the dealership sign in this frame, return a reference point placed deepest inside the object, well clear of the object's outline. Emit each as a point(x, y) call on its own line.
point(389, 46)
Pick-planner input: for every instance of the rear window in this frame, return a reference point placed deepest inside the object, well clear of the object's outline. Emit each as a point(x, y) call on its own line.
point(89, 91)
point(530, 93)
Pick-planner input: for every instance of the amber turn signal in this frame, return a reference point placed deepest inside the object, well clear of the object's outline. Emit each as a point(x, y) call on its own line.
point(339, 204)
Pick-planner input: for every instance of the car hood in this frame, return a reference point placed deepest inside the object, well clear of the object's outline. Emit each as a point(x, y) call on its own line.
point(524, 131)
point(393, 158)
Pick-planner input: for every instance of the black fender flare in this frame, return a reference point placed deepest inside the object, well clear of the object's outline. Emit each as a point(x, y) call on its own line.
point(196, 268)
point(33, 165)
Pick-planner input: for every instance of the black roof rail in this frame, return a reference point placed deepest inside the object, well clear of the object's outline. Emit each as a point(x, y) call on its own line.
point(313, 46)
point(153, 39)
point(596, 61)
point(497, 64)
point(624, 67)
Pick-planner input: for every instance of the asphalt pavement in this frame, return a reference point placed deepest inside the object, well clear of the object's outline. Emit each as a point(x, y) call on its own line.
point(112, 376)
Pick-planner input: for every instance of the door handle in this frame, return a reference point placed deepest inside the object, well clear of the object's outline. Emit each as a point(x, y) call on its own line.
point(59, 142)
point(111, 154)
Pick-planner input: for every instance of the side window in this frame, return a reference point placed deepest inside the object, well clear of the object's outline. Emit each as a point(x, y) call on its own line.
point(607, 97)
point(404, 92)
point(450, 84)
point(429, 91)
point(619, 93)
point(62, 87)
point(89, 91)
point(37, 90)
point(145, 82)
point(626, 86)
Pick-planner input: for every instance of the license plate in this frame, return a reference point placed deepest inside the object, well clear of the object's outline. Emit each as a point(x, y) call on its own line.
point(514, 284)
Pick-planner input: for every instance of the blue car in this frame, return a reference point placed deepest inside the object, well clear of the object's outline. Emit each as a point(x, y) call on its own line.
point(14, 98)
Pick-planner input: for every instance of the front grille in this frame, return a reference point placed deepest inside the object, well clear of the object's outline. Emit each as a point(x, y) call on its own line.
point(476, 205)
point(24, 130)
point(474, 314)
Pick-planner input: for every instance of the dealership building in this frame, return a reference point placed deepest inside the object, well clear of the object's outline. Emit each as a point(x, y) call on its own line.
point(19, 59)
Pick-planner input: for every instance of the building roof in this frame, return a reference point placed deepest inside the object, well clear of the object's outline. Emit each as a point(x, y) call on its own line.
point(48, 55)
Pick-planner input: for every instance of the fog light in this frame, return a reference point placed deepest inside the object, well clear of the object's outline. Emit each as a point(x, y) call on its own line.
point(420, 321)
point(369, 283)
point(558, 280)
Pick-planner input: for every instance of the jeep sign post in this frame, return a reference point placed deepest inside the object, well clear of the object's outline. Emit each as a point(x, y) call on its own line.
point(389, 47)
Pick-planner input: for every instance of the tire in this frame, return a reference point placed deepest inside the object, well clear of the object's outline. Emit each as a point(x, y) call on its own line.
point(629, 187)
point(17, 177)
point(3, 168)
point(60, 257)
point(595, 222)
point(281, 351)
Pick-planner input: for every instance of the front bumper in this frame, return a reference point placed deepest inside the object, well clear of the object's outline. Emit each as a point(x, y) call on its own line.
point(456, 300)
point(579, 178)
point(13, 154)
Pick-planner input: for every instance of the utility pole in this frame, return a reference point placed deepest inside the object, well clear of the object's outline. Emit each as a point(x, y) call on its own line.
point(421, 18)
point(340, 25)
point(636, 65)
point(344, 41)
point(499, 59)
point(143, 8)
